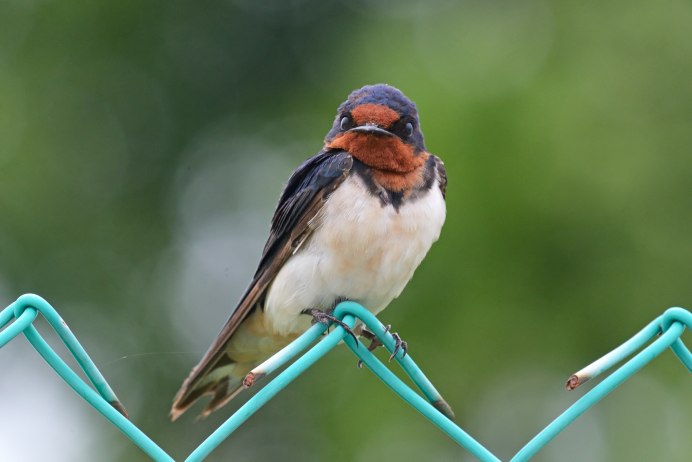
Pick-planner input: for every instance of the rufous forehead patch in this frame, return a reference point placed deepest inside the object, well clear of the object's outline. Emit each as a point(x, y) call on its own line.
point(371, 113)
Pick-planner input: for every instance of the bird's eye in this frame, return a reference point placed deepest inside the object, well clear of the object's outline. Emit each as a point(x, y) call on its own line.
point(409, 128)
point(345, 123)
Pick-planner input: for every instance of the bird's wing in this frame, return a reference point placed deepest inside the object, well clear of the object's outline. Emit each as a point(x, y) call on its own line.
point(304, 195)
point(441, 175)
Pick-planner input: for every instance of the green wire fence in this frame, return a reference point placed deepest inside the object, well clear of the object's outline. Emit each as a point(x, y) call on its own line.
point(20, 315)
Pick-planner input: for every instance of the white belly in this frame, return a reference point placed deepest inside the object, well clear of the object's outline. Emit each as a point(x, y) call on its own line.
point(359, 251)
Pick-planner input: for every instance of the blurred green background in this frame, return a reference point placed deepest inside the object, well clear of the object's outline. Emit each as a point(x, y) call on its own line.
point(143, 146)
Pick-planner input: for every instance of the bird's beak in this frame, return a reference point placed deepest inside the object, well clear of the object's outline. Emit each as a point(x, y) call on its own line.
point(371, 129)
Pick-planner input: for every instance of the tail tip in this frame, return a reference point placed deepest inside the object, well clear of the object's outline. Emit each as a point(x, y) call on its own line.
point(175, 413)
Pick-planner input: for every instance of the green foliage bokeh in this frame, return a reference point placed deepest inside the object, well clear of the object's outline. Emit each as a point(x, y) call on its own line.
point(143, 146)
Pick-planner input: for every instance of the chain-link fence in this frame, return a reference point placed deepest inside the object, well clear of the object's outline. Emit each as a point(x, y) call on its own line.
point(662, 333)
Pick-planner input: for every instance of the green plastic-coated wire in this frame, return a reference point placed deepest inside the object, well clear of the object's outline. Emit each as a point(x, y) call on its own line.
point(599, 392)
point(665, 331)
point(101, 401)
point(22, 322)
point(401, 389)
point(269, 391)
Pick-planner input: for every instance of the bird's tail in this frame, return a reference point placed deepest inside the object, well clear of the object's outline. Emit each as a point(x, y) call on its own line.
point(223, 382)
point(221, 371)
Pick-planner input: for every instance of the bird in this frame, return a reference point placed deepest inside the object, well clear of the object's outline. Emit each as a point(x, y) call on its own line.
point(352, 223)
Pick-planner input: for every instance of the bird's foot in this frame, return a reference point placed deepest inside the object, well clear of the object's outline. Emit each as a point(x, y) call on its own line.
point(327, 319)
point(399, 344)
point(374, 341)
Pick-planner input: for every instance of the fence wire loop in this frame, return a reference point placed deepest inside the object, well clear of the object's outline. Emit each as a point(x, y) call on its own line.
point(660, 334)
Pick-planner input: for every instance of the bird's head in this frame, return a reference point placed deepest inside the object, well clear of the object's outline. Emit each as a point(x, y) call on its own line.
point(378, 125)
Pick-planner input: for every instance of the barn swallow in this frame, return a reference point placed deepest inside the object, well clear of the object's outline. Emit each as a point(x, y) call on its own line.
point(353, 223)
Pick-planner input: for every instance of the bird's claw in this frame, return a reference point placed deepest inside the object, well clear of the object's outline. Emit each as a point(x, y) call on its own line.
point(326, 319)
point(374, 341)
point(399, 345)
